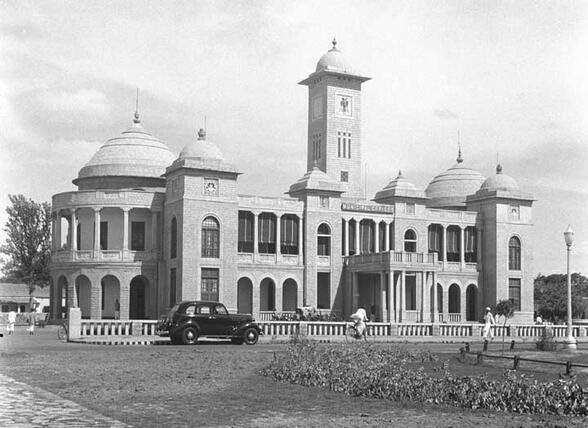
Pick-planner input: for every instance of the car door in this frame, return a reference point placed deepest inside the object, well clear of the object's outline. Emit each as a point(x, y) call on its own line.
point(223, 322)
point(205, 320)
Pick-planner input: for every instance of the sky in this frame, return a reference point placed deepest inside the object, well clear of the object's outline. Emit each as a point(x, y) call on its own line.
point(511, 77)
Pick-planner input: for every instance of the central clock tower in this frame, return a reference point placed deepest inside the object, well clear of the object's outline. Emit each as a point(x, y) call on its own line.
point(334, 121)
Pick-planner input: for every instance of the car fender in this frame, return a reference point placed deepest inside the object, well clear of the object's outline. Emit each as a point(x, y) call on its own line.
point(182, 326)
point(244, 327)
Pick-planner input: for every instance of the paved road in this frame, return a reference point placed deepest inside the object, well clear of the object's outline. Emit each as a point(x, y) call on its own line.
point(23, 406)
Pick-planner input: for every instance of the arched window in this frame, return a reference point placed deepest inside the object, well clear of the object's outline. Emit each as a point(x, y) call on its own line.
point(210, 237)
point(410, 241)
point(174, 239)
point(514, 253)
point(324, 240)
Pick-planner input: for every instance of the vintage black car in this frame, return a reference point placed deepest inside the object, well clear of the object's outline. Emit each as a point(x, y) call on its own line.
point(189, 320)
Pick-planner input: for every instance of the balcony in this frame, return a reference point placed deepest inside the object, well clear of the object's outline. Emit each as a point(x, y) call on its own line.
point(269, 259)
point(394, 259)
point(459, 267)
point(102, 256)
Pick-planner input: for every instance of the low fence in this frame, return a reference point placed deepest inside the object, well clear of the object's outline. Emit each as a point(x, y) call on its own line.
point(81, 328)
point(23, 318)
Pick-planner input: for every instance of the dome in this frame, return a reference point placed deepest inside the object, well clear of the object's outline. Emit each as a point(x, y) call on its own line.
point(134, 153)
point(315, 179)
point(334, 60)
point(201, 149)
point(500, 182)
point(450, 188)
point(399, 187)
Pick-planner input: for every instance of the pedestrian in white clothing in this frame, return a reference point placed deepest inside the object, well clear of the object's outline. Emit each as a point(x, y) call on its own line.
point(488, 322)
point(11, 322)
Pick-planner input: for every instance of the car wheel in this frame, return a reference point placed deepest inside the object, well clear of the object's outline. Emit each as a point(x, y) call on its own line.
point(250, 337)
point(237, 340)
point(189, 336)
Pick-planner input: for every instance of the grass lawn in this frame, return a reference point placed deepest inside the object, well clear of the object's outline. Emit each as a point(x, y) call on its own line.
point(213, 385)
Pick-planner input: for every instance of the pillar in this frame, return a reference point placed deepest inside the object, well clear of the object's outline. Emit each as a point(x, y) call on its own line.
point(426, 307)
point(382, 310)
point(154, 231)
point(446, 302)
point(255, 235)
point(387, 237)
point(346, 238)
point(278, 235)
point(444, 245)
point(435, 317)
point(461, 247)
point(125, 297)
point(125, 244)
point(96, 230)
point(58, 231)
point(391, 312)
point(95, 298)
point(354, 291)
point(357, 244)
point(377, 238)
point(300, 240)
point(74, 231)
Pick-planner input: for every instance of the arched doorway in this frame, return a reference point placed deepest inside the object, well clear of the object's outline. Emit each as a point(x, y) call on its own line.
point(454, 299)
point(244, 296)
point(267, 295)
point(110, 297)
point(83, 292)
point(138, 298)
point(471, 302)
point(289, 295)
point(61, 293)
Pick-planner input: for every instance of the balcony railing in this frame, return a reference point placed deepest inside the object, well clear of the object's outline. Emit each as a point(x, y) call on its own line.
point(65, 256)
point(393, 257)
point(269, 259)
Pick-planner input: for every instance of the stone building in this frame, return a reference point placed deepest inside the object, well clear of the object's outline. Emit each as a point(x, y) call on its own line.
point(146, 229)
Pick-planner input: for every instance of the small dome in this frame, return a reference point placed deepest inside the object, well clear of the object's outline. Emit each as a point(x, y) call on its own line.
point(500, 182)
point(201, 149)
point(334, 60)
point(450, 188)
point(315, 179)
point(399, 187)
point(134, 153)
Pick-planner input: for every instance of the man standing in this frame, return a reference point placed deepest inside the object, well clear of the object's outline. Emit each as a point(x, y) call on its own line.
point(11, 322)
point(488, 322)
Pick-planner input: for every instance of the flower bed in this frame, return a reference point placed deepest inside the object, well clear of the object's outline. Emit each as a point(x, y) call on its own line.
point(418, 376)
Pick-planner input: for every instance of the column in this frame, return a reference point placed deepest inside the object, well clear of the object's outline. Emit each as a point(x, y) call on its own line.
point(446, 303)
point(74, 230)
point(357, 244)
point(391, 313)
point(479, 245)
point(72, 295)
point(444, 246)
point(58, 231)
point(153, 232)
point(402, 293)
point(255, 235)
point(96, 230)
point(346, 238)
point(426, 314)
point(435, 317)
point(95, 298)
point(354, 291)
point(278, 234)
point(382, 310)
point(125, 297)
point(300, 238)
point(387, 237)
point(377, 238)
point(418, 282)
point(461, 248)
point(125, 244)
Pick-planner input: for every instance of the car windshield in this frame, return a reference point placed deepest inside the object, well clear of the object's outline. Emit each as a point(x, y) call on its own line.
point(172, 311)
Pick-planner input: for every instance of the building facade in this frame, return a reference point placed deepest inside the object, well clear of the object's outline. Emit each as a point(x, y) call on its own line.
point(146, 229)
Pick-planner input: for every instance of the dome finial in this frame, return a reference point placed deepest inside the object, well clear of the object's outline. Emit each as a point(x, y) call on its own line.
point(399, 174)
point(498, 166)
point(334, 42)
point(201, 134)
point(459, 157)
point(136, 119)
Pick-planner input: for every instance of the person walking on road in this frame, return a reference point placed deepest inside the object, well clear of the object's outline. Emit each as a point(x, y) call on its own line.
point(488, 322)
point(11, 322)
point(31, 327)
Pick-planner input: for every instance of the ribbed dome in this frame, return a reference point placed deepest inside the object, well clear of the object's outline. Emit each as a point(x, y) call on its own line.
point(334, 60)
point(400, 187)
point(134, 153)
point(315, 179)
point(501, 182)
point(450, 188)
point(201, 149)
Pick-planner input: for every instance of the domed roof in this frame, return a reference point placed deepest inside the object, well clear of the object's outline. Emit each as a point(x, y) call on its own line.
point(134, 153)
point(450, 188)
point(315, 179)
point(500, 182)
point(201, 149)
point(399, 187)
point(334, 60)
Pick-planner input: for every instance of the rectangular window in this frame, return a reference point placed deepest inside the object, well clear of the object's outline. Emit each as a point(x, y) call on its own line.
point(324, 202)
point(267, 233)
point(245, 232)
point(514, 292)
point(209, 289)
point(339, 144)
point(104, 235)
point(344, 176)
point(470, 245)
point(172, 287)
point(79, 236)
point(323, 292)
point(410, 208)
point(349, 145)
point(289, 234)
point(138, 236)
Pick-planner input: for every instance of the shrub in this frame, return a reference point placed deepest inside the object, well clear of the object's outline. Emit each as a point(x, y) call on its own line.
point(399, 374)
point(547, 342)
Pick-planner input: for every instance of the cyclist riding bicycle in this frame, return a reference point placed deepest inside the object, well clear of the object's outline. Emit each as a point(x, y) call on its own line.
point(359, 319)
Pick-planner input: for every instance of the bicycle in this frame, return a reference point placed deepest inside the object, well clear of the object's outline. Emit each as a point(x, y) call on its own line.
point(62, 331)
point(352, 335)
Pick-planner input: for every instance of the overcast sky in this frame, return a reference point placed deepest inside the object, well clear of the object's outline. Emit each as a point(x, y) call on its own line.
point(511, 76)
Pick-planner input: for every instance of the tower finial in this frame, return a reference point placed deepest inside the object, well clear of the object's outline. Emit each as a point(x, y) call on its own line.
point(498, 166)
point(459, 157)
point(399, 174)
point(334, 42)
point(136, 119)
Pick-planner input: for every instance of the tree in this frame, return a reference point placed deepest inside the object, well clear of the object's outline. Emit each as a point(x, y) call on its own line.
point(506, 309)
point(551, 296)
point(28, 244)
